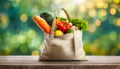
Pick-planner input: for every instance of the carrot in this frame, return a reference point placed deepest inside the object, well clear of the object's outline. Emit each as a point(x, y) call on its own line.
point(42, 24)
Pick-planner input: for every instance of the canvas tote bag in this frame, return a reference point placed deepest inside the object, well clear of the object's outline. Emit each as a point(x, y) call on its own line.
point(65, 47)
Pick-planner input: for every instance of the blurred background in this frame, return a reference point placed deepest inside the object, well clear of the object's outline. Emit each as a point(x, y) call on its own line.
point(19, 35)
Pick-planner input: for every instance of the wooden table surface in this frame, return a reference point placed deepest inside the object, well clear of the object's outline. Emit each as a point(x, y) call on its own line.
point(31, 62)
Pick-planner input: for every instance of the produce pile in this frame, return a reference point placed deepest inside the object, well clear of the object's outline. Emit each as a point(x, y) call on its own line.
point(62, 26)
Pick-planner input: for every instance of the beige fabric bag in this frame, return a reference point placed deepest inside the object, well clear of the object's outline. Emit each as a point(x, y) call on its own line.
point(65, 47)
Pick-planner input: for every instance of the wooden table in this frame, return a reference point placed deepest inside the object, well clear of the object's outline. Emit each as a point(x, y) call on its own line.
point(31, 62)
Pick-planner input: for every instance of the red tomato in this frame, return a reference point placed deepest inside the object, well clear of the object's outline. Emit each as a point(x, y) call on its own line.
point(64, 26)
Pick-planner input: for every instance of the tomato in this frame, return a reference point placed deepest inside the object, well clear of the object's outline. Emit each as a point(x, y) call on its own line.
point(68, 26)
point(64, 26)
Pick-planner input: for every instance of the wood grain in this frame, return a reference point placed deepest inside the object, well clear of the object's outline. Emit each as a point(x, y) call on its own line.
point(30, 62)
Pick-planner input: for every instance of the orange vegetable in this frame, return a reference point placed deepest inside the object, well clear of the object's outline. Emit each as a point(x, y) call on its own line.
point(42, 24)
point(57, 21)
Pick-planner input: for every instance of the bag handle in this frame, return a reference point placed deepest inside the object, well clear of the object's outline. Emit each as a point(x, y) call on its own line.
point(68, 16)
point(53, 25)
point(54, 21)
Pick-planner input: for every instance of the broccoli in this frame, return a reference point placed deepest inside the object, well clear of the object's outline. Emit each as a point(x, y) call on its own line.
point(48, 17)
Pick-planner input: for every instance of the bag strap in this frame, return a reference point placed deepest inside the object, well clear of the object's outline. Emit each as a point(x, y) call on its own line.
point(77, 42)
point(68, 16)
point(53, 26)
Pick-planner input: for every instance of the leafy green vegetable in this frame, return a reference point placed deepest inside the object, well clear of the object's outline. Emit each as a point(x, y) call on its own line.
point(48, 17)
point(71, 30)
point(55, 27)
point(80, 23)
point(61, 18)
